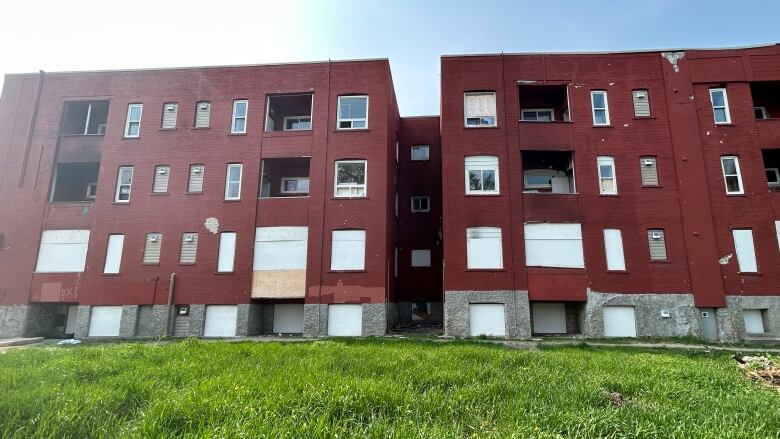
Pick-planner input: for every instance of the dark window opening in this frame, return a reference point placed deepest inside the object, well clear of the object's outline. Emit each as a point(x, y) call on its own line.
point(289, 113)
point(85, 118)
point(75, 182)
point(549, 172)
point(556, 318)
point(285, 177)
point(544, 103)
point(766, 99)
point(772, 166)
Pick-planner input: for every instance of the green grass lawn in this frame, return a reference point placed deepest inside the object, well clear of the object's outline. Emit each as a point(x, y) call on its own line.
point(375, 388)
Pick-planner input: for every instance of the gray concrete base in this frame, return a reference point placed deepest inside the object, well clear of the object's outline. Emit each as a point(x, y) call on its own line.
point(516, 309)
point(128, 321)
point(12, 320)
point(731, 321)
point(374, 319)
point(404, 313)
point(683, 317)
point(82, 322)
point(249, 320)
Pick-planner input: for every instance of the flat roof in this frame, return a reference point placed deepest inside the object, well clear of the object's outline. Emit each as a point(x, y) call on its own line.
point(612, 52)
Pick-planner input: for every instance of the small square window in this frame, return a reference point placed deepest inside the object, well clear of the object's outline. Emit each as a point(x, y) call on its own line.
point(421, 204)
point(420, 153)
point(353, 112)
point(295, 185)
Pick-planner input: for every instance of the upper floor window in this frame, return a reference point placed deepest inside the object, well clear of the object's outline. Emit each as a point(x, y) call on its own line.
point(240, 107)
point(598, 101)
point(353, 112)
point(641, 103)
point(350, 178)
point(124, 183)
point(479, 109)
point(202, 114)
point(133, 124)
point(295, 185)
point(169, 115)
point(162, 174)
point(85, 118)
point(732, 176)
point(195, 181)
point(537, 115)
point(233, 181)
point(481, 175)
point(607, 179)
point(720, 105)
point(421, 204)
point(420, 153)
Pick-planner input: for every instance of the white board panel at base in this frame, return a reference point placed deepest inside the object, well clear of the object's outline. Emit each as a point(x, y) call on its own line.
point(549, 318)
point(345, 320)
point(487, 319)
point(619, 321)
point(104, 321)
point(754, 321)
point(288, 318)
point(220, 321)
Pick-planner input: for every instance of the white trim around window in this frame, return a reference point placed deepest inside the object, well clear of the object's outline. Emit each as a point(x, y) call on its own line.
point(421, 204)
point(133, 122)
point(233, 181)
point(356, 186)
point(534, 114)
point(301, 185)
point(600, 110)
point(479, 109)
point(720, 106)
point(732, 177)
point(298, 123)
point(124, 184)
point(420, 153)
point(350, 120)
point(607, 175)
point(239, 120)
point(481, 175)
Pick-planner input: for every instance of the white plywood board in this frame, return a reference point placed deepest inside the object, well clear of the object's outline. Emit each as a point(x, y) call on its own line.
point(483, 248)
point(746, 252)
point(104, 321)
point(549, 318)
point(345, 320)
point(613, 246)
point(62, 251)
point(288, 318)
point(280, 248)
point(220, 321)
point(227, 252)
point(754, 321)
point(619, 321)
point(554, 245)
point(348, 250)
point(487, 319)
point(114, 254)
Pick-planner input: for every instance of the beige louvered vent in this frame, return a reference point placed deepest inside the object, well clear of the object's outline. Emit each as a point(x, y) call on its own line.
point(195, 183)
point(649, 171)
point(657, 244)
point(152, 248)
point(202, 114)
point(641, 103)
point(170, 111)
point(189, 248)
point(161, 176)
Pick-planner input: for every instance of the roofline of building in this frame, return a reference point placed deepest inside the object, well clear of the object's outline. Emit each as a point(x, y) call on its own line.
point(611, 52)
point(422, 116)
point(211, 67)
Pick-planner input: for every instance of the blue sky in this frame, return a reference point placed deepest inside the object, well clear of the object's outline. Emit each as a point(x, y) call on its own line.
point(108, 34)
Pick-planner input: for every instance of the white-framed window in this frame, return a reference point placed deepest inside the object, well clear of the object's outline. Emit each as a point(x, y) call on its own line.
point(152, 248)
point(297, 123)
point(600, 106)
point(348, 250)
point(233, 181)
point(114, 254)
point(745, 249)
point(479, 109)
point(537, 115)
point(420, 153)
point(202, 114)
point(607, 178)
point(641, 103)
point(295, 185)
point(350, 178)
point(133, 123)
point(760, 113)
point(539, 178)
point(481, 175)
point(772, 176)
point(195, 181)
point(91, 191)
point(240, 109)
point(553, 245)
point(732, 176)
point(613, 247)
point(353, 112)
point(421, 204)
point(124, 183)
point(421, 258)
point(483, 248)
point(227, 252)
point(169, 115)
point(720, 105)
point(162, 175)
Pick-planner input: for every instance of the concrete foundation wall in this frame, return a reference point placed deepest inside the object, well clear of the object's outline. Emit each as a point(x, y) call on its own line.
point(731, 321)
point(12, 320)
point(517, 314)
point(683, 317)
point(248, 320)
point(375, 319)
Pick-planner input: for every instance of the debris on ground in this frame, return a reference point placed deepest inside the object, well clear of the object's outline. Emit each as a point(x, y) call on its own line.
point(764, 369)
point(615, 398)
point(70, 341)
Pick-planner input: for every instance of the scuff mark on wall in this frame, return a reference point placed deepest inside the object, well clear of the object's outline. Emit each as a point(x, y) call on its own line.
point(673, 57)
point(725, 260)
point(212, 225)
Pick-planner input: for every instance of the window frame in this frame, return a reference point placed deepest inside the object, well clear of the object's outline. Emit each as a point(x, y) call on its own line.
point(119, 184)
point(286, 179)
point(286, 118)
point(481, 118)
point(593, 108)
point(741, 190)
point(240, 167)
point(762, 109)
point(352, 119)
point(234, 118)
point(430, 258)
point(202, 179)
point(175, 120)
point(427, 149)
point(421, 197)
point(599, 162)
point(777, 176)
point(350, 186)
point(469, 191)
point(91, 191)
point(537, 111)
point(634, 97)
point(725, 105)
point(129, 121)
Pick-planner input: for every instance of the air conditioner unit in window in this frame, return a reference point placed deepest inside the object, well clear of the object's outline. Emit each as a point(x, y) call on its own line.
point(203, 106)
point(641, 95)
point(189, 238)
point(197, 170)
point(655, 235)
point(153, 238)
point(162, 171)
point(648, 162)
point(170, 107)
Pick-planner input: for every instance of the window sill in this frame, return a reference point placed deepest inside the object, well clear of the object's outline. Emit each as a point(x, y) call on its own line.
point(187, 264)
point(725, 124)
point(110, 274)
point(483, 195)
point(609, 195)
point(237, 134)
point(737, 195)
point(345, 198)
point(617, 271)
point(194, 193)
point(485, 127)
point(167, 129)
point(485, 270)
point(420, 161)
point(648, 186)
point(603, 126)
point(120, 203)
point(157, 194)
point(231, 201)
point(546, 121)
point(749, 273)
point(223, 273)
point(150, 264)
point(420, 211)
point(346, 271)
point(200, 128)
point(661, 262)
point(131, 138)
point(643, 117)
point(342, 130)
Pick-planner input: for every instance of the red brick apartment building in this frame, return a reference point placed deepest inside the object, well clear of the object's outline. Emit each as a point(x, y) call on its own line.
point(607, 195)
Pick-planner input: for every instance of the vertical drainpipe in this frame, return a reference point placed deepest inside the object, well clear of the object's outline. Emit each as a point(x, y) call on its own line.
point(324, 198)
point(32, 128)
point(509, 193)
point(169, 306)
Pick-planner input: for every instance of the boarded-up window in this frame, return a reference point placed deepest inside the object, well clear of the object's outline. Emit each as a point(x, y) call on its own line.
point(348, 250)
point(483, 248)
point(227, 252)
point(641, 103)
point(104, 321)
point(480, 109)
point(202, 114)
point(280, 248)
point(220, 321)
point(161, 175)
point(170, 112)
point(195, 182)
point(553, 245)
point(421, 258)
point(189, 248)
point(613, 246)
point(619, 321)
point(649, 171)
point(777, 232)
point(114, 254)
point(754, 320)
point(746, 252)
point(62, 251)
point(487, 319)
point(345, 320)
point(657, 242)
point(152, 248)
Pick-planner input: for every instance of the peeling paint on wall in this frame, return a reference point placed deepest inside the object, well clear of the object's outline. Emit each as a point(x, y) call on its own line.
point(673, 57)
point(212, 225)
point(725, 260)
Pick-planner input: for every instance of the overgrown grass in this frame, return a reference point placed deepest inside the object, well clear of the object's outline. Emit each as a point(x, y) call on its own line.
point(375, 388)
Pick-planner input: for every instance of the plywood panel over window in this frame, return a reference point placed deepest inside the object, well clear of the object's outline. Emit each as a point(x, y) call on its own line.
point(656, 239)
point(114, 254)
point(348, 250)
point(613, 246)
point(152, 248)
point(487, 319)
point(345, 320)
point(220, 321)
point(104, 321)
point(746, 252)
point(227, 252)
point(554, 245)
point(195, 183)
point(649, 171)
point(189, 248)
point(641, 103)
point(288, 318)
point(62, 251)
point(619, 321)
point(202, 114)
point(483, 248)
point(279, 266)
point(170, 113)
point(549, 318)
point(162, 174)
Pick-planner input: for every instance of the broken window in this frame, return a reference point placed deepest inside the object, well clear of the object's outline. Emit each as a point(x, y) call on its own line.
point(480, 109)
point(84, 118)
point(772, 166)
point(353, 112)
point(607, 179)
point(75, 182)
point(544, 103)
point(548, 172)
point(350, 178)
point(766, 99)
point(289, 112)
point(284, 177)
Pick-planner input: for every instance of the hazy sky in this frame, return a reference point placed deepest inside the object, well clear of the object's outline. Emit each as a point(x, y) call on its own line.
point(108, 34)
